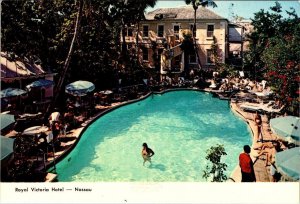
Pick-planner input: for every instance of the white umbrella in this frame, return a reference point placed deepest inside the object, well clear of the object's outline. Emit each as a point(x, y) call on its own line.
point(80, 88)
point(287, 127)
point(288, 162)
point(7, 146)
point(6, 120)
point(35, 130)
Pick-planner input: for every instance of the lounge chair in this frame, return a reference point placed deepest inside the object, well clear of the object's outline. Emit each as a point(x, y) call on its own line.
point(253, 108)
point(261, 107)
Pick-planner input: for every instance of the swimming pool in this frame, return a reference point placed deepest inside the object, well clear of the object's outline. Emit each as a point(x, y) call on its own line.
point(179, 126)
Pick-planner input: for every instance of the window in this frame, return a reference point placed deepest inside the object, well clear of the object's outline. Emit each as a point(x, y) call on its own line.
point(145, 54)
point(209, 57)
point(193, 58)
point(160, 31)
point(129, 32)
point(145, 30)
point(176, 31)
point(210, 30)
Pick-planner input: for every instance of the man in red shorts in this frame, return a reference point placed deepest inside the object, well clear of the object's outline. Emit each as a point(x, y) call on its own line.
point(246, 165)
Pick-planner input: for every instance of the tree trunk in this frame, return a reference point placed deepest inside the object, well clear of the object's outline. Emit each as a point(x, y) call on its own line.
point(124, 47)
point(194, 27)
point(68, 59)
point(194, 38)
point(137, 44)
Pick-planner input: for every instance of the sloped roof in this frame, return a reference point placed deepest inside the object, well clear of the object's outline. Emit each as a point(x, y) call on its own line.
point(16, 68)
point(182, 13)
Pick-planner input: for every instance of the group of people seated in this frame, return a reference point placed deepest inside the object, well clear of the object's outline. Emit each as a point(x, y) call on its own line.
point(270, 149)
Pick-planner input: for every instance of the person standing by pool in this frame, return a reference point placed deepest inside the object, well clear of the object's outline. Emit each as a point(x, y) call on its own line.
point(147, 153)
point(246, 165)
point(258, 122)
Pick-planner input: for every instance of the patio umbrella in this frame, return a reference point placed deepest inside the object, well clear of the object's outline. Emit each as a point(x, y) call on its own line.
point(41, 83)
point(288, 163)
point(7, 146)
point(6, 120)
point(287, 127)
point(80, 88)
point(10, 92)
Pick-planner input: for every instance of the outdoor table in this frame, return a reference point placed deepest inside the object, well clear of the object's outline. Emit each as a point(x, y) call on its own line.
point(40, 105)
point(36, 130)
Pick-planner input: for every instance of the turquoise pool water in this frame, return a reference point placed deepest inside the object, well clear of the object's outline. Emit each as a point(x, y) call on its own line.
point(179, 126)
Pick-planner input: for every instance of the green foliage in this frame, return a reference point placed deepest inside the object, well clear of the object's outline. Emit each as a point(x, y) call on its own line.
point(275, 54)
point(187, 47)
point(224, 70)
point(216, 168)
point(42, 32)
point(282, 60)
point(204, 3)
point(21, 168)
point(216, 53)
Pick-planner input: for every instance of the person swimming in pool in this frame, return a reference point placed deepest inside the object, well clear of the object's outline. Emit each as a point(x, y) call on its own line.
point(147, 153)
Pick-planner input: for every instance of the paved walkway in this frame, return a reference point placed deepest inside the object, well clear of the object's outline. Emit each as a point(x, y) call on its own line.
point(262, 172)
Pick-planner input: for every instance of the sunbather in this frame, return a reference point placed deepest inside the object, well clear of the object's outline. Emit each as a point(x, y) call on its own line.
point(270, 151)
point(263, 145)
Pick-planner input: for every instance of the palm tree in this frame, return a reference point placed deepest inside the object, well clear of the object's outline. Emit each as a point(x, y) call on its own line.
point(196, 4)
point(69, 56)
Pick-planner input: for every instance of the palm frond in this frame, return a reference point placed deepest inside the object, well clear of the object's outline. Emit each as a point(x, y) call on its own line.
point(208, 3)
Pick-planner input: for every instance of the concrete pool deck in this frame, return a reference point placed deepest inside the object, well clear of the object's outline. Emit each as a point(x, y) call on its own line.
point(261, 171)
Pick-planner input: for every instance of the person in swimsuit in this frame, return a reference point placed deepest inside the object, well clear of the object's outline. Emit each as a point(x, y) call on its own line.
point(258, 122)
point(271, 151)
point(147, 153)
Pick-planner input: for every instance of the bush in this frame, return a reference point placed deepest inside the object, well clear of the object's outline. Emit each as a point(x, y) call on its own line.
point(217, 168)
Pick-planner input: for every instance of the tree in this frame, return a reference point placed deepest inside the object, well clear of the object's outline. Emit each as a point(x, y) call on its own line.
point(187, 47)
point(217, 168)
point(28, 28)
point(42, 31)
point(127, 13)
point(274, 54)
point(71, 50)
point(282, 59)
point(266, 25)
point(196, 4)
point(21, 168)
